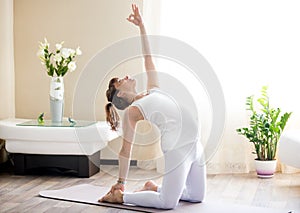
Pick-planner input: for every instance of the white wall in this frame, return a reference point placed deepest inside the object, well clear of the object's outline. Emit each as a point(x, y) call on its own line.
point(249, 44)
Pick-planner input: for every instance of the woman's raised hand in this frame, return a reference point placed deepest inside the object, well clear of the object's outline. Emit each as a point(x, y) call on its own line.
point(135, 17)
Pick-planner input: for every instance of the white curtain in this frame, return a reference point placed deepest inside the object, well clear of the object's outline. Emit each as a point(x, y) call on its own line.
point(7, 102)
point(249, 44)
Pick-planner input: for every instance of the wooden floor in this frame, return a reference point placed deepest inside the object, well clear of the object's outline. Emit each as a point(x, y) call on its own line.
point(20, 193)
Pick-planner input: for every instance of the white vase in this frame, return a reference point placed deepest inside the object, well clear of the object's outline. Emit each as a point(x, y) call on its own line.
point(265, 169)
point(57, 99)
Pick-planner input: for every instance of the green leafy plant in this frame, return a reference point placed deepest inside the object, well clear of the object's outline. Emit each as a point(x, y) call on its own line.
point(40, 119)
point(266, 126)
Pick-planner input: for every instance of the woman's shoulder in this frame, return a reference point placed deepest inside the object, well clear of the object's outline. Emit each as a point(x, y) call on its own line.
point(154, 89)
point(134, 112)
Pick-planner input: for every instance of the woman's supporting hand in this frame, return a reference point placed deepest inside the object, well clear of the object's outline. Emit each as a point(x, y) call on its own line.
point(114, 197)
point(116, 187)
point(135, 17)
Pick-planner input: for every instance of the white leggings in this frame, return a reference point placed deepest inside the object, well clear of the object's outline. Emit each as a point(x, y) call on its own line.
point(185, 179)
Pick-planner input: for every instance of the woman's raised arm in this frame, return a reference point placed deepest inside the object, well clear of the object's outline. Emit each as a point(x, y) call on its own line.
point(136, 19)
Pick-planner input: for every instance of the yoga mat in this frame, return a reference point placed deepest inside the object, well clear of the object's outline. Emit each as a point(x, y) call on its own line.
point(89, 194)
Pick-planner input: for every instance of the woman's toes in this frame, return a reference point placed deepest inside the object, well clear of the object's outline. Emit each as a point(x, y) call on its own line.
point(148, 186)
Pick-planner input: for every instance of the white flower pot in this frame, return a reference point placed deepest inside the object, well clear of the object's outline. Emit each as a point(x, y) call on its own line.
point(57, 99)
point(265, 169)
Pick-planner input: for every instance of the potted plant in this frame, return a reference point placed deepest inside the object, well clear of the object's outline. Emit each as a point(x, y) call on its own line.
point(264, 131)
point(57, 63)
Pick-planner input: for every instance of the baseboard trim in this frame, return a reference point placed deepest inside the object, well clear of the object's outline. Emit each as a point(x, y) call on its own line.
point(112, 162)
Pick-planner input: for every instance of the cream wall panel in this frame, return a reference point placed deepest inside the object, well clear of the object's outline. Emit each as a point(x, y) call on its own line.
point(7, 97)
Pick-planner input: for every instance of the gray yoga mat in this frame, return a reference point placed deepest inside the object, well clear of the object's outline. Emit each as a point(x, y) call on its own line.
point(89, 194)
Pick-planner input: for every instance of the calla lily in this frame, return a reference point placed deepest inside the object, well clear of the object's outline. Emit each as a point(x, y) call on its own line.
point(72, 66)
point(57, 57)
point(72, 52)
point(58, 46)
point(65, 53)
point(78, 51)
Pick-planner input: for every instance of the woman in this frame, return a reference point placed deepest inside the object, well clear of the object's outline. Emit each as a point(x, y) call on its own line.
point(185, 175)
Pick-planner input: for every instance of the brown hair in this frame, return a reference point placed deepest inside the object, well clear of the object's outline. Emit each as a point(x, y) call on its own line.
point(112, 116)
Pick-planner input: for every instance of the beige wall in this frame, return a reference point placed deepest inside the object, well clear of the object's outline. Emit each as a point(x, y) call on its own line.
point(7, 97)
point(91, 24)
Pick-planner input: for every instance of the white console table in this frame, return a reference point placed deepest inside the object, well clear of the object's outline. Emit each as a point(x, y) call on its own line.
point(75, 147)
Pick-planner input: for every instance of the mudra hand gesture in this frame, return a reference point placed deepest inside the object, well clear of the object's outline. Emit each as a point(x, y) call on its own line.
point(135, 17)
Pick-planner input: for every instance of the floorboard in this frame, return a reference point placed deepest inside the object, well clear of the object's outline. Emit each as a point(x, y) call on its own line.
point(20, 193)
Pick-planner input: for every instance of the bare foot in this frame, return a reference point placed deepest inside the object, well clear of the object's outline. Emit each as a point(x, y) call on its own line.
point(115, 197)
point(149, 186)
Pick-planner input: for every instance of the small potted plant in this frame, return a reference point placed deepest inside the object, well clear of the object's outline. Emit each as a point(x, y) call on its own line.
point(264, 131)
point(57, 63)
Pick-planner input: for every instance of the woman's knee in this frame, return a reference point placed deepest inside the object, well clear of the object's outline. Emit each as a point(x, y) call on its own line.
point(169, 204)
point(197, 197)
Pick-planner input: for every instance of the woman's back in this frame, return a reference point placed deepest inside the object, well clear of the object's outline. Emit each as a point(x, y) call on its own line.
point(176, 124)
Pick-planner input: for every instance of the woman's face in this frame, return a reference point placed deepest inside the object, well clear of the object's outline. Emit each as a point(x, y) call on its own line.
point(125, 84)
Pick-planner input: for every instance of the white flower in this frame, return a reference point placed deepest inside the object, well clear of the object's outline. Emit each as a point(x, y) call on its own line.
point(46, 42)
point(57, 57)
point(44, 45)
point(65, 53)
point(72, 66)
point(59, 46)
point(78, 51)
point(40, 53)
point(71, 51)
